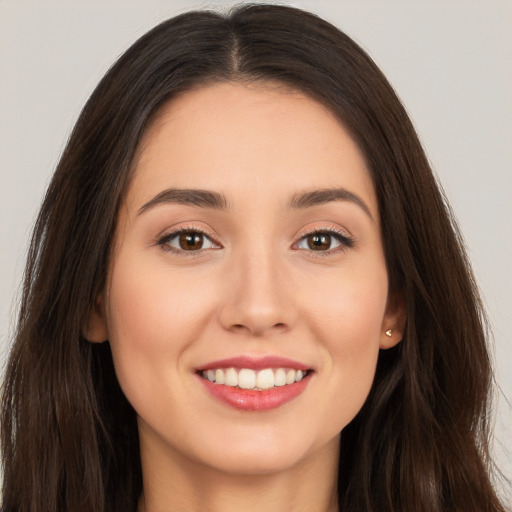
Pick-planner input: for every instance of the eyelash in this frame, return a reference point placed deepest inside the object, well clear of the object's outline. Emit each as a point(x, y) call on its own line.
point(163, 242)
point(346, 242)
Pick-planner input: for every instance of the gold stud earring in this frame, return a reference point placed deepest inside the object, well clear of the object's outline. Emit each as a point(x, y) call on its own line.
point(388, 333)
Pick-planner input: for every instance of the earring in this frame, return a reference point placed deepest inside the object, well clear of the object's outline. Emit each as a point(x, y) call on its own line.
point(388, 333)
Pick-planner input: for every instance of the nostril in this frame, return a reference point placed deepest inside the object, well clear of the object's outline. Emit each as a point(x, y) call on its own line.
point(242, 327)
point(239, 327)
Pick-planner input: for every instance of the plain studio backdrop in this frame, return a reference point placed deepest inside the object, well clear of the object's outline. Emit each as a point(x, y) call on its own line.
point(450, 62)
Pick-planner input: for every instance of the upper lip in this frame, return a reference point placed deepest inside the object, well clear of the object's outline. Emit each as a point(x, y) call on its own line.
point(255, 363)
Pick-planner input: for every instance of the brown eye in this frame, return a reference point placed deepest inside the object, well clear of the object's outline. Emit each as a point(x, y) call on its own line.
point(187, 241)
point(319, 242)
point(324, 241)
point(191, 241)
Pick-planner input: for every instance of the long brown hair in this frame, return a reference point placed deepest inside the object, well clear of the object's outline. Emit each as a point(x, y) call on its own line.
point(69, 436)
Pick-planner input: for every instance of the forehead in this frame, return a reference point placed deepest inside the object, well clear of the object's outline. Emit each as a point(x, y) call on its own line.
point(248, 139)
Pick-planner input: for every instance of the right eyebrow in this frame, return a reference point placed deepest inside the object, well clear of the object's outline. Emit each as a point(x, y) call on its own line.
point(191, 197)
point(326, 195)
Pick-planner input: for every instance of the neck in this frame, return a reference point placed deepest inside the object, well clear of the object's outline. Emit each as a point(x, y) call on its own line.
point(178, 484)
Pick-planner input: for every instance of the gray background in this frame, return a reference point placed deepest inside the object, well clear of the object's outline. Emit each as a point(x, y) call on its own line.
point(450, 62)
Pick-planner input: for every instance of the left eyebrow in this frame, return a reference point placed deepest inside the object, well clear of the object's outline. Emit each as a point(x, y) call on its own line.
point(327, 195)
point(190, 197)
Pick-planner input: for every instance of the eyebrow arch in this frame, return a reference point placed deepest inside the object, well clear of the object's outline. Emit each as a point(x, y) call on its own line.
point(327, 195)
point(190, 197)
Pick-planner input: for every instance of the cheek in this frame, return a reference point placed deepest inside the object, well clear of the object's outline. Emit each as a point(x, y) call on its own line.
point(349, 321)
point(150, 304)
point(349, 308)
point(152, 319)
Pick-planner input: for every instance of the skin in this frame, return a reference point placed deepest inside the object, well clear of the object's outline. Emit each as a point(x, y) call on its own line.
point(256, 289)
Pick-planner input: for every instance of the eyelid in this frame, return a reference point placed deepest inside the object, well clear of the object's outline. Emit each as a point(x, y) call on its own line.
point(162, 240)
point(347, 241)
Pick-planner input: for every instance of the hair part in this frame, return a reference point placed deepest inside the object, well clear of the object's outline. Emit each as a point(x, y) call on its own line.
point(69, 436)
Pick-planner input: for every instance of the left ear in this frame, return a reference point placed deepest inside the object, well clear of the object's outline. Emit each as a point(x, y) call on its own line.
point(393, 323)
point(96, 330)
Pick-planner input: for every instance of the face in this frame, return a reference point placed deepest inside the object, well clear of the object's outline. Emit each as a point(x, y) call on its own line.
point(248, 294)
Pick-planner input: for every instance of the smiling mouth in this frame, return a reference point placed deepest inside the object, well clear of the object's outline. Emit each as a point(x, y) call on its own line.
point(249, 379)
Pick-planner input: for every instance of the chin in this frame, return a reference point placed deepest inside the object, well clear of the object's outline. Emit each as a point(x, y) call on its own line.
point(266, 454)
point(250, 463)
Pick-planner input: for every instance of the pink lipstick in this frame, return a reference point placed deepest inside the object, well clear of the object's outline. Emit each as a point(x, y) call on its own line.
point(255, 383)
point(256, 363)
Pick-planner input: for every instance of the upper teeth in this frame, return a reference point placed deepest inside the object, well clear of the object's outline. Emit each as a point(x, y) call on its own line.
point(246, 378)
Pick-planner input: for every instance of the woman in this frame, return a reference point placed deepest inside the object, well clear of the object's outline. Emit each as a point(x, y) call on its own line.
point(243, 253)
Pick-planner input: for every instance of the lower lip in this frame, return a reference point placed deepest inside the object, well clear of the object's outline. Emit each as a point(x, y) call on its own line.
point(251, 400)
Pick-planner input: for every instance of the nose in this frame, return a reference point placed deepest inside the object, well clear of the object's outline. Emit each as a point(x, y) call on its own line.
point(257, 297)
